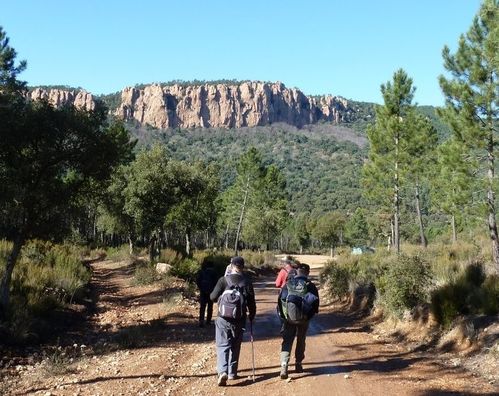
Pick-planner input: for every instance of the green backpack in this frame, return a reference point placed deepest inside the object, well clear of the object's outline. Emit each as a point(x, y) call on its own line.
point(293, 305)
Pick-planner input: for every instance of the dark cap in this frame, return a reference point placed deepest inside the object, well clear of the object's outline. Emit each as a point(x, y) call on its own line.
point(304, 269)
point(238, 261)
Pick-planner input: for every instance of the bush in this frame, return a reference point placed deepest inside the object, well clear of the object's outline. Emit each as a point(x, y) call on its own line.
point(471, 293)
point(120, 253)
point(490, 295)
point(145, 274)
point(169, 256)
point(336, 277)
point(45, 277)
point(259, 260)
point(405, 284)
point(186, 269)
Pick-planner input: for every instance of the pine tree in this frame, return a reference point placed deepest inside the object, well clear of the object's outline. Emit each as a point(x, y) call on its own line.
point(453, 181)
point(422, 142)
point(472, 97)
point(389, 140)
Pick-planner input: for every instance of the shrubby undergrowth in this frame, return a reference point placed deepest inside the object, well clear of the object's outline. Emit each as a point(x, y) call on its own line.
point(46, 277)
point(452, 280)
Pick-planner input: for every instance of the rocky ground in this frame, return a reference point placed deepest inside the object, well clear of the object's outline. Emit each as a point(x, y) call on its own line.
point(144, 340)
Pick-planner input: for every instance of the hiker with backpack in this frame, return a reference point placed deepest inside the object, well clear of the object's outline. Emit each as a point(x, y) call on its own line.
point(236, 301)
point(288, 269)
point(206, 280)
point(298, 302)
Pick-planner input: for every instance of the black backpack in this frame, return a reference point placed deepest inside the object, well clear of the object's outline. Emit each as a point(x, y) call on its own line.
point(232, 304)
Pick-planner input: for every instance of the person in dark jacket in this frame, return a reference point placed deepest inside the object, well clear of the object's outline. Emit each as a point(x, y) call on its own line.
point(206, 280)
point(229, 331)
point(290, 331)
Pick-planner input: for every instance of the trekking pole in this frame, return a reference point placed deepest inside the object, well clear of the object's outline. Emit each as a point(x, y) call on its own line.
point(252, 349)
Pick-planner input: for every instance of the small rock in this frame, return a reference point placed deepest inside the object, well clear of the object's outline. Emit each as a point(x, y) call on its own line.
point(289, 379)
point(346, 376)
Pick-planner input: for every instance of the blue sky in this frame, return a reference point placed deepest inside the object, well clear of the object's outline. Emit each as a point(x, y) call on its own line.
point(345, 48)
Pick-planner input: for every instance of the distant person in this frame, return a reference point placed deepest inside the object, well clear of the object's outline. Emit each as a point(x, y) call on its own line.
point(236, 300)
point(288, 269)
point(206, 280)
point(298, 302)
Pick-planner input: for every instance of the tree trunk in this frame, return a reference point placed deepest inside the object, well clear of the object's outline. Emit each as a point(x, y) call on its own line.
point(491, 202)
point(241, 217)
point(453, 224)
point(188, 243)
point(130, 243)
point(301, 249)
point(152, 246)
point(7, 276)
point(331, 252)
point(227, 237)
point(422, 236)
point(396, 200)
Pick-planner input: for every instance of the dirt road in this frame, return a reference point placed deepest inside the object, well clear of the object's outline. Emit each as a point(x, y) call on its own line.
point(140, 342)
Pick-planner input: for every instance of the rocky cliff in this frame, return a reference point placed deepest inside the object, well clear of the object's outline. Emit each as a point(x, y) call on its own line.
point(244, 104)
point(227, 106)
point(60, 97)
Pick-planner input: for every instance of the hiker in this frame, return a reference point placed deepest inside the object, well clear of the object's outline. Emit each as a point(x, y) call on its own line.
point(288, 269)
point(235, 296)
point(206, 280)
point(298, 302)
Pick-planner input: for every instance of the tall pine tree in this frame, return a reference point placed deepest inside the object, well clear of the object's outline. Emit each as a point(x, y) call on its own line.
point(389, 140)
point(472, 96)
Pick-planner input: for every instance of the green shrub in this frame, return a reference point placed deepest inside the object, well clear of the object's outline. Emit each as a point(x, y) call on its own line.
point(145, 274)
point(45, 277)
point(186, 269)
point(120, 253)
point(336, 277)
point(170, 256)
point(447, 302)
point(471, 293)
point(219, 260)
point(259, 260)
point(490, 295)
point(405, 284)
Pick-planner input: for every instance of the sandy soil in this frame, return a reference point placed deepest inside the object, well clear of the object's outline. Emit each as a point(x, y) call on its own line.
point(144, 341)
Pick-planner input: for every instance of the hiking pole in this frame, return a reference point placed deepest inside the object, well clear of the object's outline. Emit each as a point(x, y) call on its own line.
point(252, 349)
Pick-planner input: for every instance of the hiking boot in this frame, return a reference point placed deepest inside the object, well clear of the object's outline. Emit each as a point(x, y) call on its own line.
point(298, 368)
point(284, 371)
point(233, 376)
point(222, 379)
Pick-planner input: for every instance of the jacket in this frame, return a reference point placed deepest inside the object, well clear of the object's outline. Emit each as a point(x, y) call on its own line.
point(282, 277)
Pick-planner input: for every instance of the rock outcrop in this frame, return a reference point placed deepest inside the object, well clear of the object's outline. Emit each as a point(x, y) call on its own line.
point(59, 97)
point(228, 106)
point(234, 105)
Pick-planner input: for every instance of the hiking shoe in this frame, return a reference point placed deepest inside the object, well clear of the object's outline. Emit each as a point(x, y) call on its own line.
point(298, 368)
point(233, 376)
point(284, 371)
point(222, 379)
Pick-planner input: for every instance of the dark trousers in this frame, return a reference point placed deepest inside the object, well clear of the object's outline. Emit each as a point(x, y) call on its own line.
point(228, 337)
point(205, 302)
point(289, 332)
